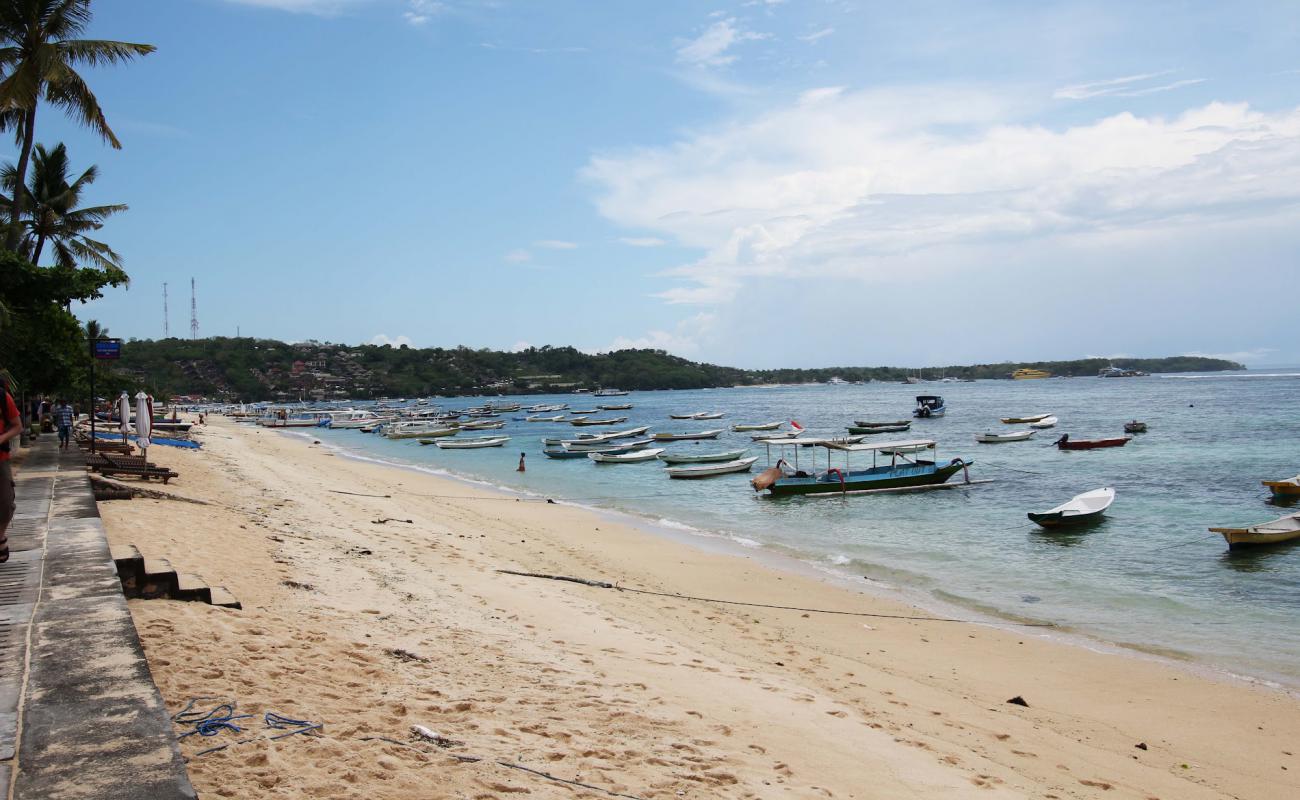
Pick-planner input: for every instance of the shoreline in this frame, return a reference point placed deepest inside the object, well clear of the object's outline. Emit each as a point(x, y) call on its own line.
point(784, 560)
point(374, 626)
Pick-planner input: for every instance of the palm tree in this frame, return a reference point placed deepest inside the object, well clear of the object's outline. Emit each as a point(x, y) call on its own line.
point(37, 58)
point(53, 216)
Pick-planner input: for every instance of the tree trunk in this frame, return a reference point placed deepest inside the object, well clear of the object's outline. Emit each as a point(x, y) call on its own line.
point(20, 184)
point(36, 254)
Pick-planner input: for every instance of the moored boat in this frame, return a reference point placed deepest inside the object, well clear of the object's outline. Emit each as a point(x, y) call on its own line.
point(863, 423)
point(1066, 443)
point(700, 458)
point(1025, 420)
point(615, 407)
point(711, 415)
point(594, 421)
point(902, 471)
point(626, 458)
point(1135, 427)
point(997, 438)
point(538, 418)
point(1045, 422)
point(471, 444)
point(1288, 489)
point(691, 415)
point(1081, 509)
point(1282, 529)
point(929, 405)
point(1027, 374)
point(712, 470)
point(766, 426)
point(683, 437)
point(874, 429)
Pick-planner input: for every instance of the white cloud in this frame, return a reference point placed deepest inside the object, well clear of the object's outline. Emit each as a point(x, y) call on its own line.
point(1243, 356)
point(1127, 86)
point(555, 244)
point(520, 346)
point(1164, 87)
point(710, 48)
point(419, 12)
point(643, 241)
point(816, 35)
point(518, 256)
point(382, 339)
point(684, 340)
point(857, 185)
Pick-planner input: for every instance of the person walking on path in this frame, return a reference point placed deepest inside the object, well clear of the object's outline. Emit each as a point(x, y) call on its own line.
point(13, 426)
point(63, 417)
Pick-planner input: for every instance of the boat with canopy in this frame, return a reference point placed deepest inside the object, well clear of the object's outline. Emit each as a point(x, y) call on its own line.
point(907, 468)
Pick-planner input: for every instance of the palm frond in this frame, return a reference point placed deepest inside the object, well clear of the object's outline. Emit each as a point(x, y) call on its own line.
point(97, 52)
point(67, 90)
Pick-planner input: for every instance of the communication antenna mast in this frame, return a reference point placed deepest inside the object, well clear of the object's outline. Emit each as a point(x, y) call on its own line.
point(166, 329)
point(194, 313)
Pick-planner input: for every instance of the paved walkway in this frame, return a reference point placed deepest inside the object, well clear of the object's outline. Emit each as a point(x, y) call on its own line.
point(77, 701)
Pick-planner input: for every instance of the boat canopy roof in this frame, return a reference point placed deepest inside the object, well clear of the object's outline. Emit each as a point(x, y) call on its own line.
point(928, 398)
point(866, 447)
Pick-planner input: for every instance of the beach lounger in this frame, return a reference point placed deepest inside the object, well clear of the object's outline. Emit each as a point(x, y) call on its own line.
point(111, 464)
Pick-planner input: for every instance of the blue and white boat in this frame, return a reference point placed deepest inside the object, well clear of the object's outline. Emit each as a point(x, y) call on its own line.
point(929, 405)
point(912, 464)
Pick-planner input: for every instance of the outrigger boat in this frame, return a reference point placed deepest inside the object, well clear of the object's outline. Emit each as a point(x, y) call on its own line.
point(814, 441)
point(1025, 420)
point(1066, 443)
point(1288, 489)
point(682, 437)
point(901, 472)
point(766, 426)
point(711, 470)
point(997, 438)
point(1079, 510)
point(1282, 529)
point(929, 405)
point(700, 458)
point(874, 429)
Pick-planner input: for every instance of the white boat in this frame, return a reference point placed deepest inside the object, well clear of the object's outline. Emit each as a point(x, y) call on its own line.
point(1282, 529)
point(711, 415)
point(700, 458)
point(766, 426)
point(585, 421)
point(1045, 422)
point(630, 433)
point(472, 444)
point(615, 407)
point(776, 437)
point(602, 445)
point(710, 470)
point(626, 458)
point(691, 415)
point(539, 418)
point(1086, 507)
point(481, 425)
point(1025, 419)
point(997, 438)
point(679, 437)
point(610, 393)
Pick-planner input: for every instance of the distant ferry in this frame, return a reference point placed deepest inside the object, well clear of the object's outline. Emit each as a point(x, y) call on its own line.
point(837, 381)
point(610, 393)
point(1026, 374)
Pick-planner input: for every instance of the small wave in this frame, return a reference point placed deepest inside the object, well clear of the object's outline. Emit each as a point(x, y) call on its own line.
point(673, 524)
point(838, 559)
point(744, 542)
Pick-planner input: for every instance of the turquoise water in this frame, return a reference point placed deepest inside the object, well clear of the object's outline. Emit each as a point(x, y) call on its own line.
point(1149, 575)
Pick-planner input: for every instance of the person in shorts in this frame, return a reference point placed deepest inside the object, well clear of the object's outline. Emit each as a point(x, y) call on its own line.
point(63, 417)
point(13, 426)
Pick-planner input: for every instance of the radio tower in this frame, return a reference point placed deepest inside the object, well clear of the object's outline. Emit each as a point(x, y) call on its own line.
point(194, 313)
point(166, 329)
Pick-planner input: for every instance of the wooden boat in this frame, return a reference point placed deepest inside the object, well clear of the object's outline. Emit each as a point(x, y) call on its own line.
point(615, 407)
point(1282, 529)
point(606, 446)
point(700, 458)
point(862, 423)
point(711, 470)
point(1135, 427)
point(997, 438)
point(808, 441)
point(576, 412)
point(536, 418)
point(1079, 510)
point(419, 432)
point(626, 458)
point(472, 444)
point(711, 415)
point(776, 437)
point(929, 405)
point(870, 430)
point(692, 415)
point(482, 425)
point(1289, 488)
point(1024, 420)
point(913, 448)
point(594, 421)
point(630, 433)
point(560, 452)
point(1066, 443)
point(766, 426)
point(683, 437)
point(902, 472)
point(1045, 422)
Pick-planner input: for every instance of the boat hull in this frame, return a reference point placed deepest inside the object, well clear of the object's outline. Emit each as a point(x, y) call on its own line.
point(1060, 519)
point(1244, 540)
point(1288, 489)
point(874, 429)
point(925, 473)
point(1091, 444)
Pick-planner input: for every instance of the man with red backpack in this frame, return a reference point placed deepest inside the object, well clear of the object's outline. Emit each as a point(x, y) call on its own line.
point(13, 426)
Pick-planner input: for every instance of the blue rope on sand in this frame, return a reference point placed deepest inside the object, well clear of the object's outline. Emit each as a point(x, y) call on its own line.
point(209, 723)
point(280, 722)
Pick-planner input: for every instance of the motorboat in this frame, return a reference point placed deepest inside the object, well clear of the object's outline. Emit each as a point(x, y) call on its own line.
point(929, 405)
point(712, 470)
point(903, 471)
point(1282, 529)
point(1081, 509)
point(997, 438)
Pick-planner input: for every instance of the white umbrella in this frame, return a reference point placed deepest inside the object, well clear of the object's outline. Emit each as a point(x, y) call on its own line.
point(143, 420)
point(124, 412)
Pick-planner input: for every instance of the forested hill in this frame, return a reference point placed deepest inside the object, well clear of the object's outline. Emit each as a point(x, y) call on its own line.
point(260, 369)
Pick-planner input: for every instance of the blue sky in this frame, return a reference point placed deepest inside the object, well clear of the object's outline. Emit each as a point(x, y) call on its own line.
point(755, 183)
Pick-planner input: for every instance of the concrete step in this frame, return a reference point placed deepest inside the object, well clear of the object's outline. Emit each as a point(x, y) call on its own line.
point(192, 588)
point(159, 579)
point(223, 598)
point(130, 567)
point(155, 578)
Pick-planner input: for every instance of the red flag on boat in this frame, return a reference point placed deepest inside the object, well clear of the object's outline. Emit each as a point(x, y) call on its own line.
point(794, 423)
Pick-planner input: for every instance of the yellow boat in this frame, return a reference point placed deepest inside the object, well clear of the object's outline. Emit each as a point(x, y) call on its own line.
point(1288, 488)
point(1026, 374)
point(1282, 529)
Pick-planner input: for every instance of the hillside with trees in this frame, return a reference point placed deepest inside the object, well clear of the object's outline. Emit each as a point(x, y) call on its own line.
point(247, 369)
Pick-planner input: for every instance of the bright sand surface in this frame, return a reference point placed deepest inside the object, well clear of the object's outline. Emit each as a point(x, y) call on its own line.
point(372, 628)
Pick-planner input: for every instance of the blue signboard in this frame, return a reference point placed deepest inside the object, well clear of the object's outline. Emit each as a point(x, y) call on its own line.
point(107, 349)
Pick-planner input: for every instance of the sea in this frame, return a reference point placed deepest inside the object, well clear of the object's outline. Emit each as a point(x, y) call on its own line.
point(1149, 578)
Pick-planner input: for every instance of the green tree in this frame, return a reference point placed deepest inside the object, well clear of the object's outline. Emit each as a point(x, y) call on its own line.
point(53, 215)
point(38, 59)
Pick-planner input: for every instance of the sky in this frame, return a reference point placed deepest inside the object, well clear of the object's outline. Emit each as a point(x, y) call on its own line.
point(758, 183)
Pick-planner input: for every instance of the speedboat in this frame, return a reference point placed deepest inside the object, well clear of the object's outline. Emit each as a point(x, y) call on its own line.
point(1083, 508)
point(1282, 529)
point(997, 438)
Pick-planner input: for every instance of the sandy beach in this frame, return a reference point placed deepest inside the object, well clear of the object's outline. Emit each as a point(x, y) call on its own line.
point(372, 603)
